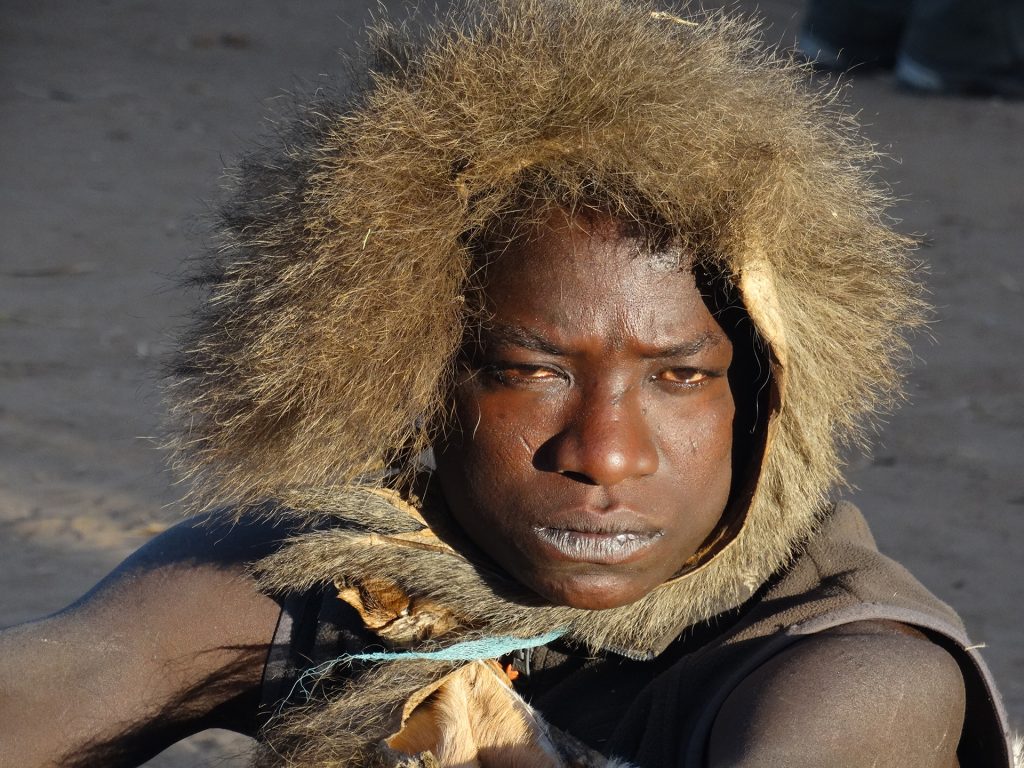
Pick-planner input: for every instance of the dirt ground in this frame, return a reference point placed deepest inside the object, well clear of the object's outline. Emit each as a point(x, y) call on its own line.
point(116, 117)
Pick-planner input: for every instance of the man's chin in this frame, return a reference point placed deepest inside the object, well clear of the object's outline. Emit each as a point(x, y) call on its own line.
point(590, 592)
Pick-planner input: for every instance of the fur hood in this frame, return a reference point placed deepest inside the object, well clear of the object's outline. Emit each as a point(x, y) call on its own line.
point(337, 296)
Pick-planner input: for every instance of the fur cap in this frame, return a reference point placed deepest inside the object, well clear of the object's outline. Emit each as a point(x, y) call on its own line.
point(336, 295)
point(336, 301)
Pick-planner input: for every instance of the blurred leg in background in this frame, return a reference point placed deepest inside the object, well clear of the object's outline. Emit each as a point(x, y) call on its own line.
point(934, 46)
point(843, 34)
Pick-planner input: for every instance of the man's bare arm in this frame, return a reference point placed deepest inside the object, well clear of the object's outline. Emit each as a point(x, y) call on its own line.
point(173, 641)
point(868, 694)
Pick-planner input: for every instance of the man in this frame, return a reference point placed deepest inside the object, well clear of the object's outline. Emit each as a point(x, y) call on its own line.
point(538, 354)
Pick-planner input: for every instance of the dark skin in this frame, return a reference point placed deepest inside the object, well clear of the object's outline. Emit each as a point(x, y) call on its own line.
point(597, 406)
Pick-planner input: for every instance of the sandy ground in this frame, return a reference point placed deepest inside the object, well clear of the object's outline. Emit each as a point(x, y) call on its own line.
point(115, 119)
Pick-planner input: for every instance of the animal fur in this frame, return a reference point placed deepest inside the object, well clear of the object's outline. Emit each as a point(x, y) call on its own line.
point(338, 296)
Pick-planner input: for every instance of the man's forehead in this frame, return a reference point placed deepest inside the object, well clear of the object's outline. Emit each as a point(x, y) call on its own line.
point(588, 235)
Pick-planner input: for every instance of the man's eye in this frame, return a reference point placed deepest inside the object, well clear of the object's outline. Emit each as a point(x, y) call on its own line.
point(690, 377)
point(521, 373)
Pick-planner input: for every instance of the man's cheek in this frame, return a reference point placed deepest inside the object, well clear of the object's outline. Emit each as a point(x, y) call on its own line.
point(499, 461)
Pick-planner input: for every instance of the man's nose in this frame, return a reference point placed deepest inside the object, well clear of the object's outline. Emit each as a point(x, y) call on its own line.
point(606, 441)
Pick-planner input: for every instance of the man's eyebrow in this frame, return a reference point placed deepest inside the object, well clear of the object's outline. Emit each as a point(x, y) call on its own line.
point(516, 335)
point(687, 348)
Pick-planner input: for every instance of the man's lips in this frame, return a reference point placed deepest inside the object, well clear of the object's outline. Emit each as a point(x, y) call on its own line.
point(603, 541)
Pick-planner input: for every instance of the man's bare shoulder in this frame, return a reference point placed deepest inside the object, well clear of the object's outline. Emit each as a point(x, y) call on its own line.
point(871, 693)
point(171, 642)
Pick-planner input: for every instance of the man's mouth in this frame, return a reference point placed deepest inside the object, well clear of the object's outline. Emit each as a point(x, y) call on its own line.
point(605, 547)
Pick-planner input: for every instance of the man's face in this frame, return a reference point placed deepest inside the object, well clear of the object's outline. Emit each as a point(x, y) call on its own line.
point(591, 450)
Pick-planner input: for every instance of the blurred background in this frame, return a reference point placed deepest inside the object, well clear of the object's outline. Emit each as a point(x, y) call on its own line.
point(116, 118)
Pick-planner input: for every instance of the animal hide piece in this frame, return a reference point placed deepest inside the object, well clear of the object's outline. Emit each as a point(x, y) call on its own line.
point(473, 718)
point(399, 620)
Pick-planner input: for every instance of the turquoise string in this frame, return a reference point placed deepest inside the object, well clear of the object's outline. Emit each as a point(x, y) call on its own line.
point(469, 650)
